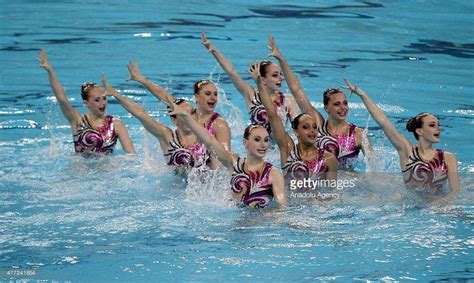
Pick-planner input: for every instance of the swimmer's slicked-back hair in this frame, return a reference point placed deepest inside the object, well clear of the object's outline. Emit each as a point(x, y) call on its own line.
point(197, 85)
point(416, 123)
point(328, 92)
point(296, 121)
point(250, 128)
point(85, 88)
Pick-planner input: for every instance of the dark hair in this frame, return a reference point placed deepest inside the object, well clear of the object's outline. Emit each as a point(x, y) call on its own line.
point(197, 85)
point(416, 123)
point(177, 101)
point(85, 88)
point(296, 121)
point(263, 67)
point(328, 92)
point(250, 128)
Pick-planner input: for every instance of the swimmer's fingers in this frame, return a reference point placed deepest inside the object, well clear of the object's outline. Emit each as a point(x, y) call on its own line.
point(206, 42)
point(348, 84)
point(130, 67)
point(134, 72)
point(44, 59)
point(354, 88)
point(109, 91)
point(272, 46)
point(169, 101)
point(254, 70)
point(350, 87)
point(104, 81)
point(175, 109)
point(347, 88)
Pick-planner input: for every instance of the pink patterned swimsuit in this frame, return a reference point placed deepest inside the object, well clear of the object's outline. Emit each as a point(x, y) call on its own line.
point(297, 168)
point(90, 140)
point(343, 146)
point(185, 157)
point(210, 124)
point(252, 187)
point(422, 174)
point(258, 113)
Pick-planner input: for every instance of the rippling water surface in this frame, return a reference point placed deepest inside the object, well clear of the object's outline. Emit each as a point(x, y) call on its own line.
point(129, 219)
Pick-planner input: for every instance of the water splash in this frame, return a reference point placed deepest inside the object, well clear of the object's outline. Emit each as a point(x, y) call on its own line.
point(227, 109)
point(209, 188)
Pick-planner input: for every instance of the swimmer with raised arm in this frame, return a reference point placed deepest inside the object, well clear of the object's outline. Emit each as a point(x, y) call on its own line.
point(254, 182)
point(181, 148)
point(424, 168)
point(93, 132)
point(205, 95)
point(285, 104)
point(302, 159)
point(336, 134)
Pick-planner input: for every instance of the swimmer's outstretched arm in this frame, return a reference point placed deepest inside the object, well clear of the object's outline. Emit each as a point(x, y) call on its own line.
point(242, 86)
point(159, 92)
point(401, 144)
point(294, 84)
point(159, 130)
point(72, 115)
point(284, 142)
point(225, 157)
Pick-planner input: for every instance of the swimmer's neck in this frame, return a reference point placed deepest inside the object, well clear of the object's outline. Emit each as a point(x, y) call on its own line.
point(334, 124)
point(253, 162)
point(203, 114)
point(306, 150)
point(95, 117)
point(273, 93)
point(336, 127)
point(203, 117)
point(186, 136)
point(425, 149)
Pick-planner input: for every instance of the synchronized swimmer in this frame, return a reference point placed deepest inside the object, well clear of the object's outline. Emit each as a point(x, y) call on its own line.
point(201, 138)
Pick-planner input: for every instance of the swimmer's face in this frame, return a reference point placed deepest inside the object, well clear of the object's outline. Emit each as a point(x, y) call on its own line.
point(273, 77)
point(96, 100)
point(337, 106)
point(206, 97)
point(257, 142)
point(430, 130)
point(307, 130)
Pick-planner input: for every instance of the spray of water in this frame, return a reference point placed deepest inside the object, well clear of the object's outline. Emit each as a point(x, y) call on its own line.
point(227, 109)
point(209, 188)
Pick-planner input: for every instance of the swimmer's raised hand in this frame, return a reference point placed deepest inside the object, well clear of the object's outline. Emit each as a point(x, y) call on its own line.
point(254, 71)
point(109, 90)
point(135, 74)
point(176, 110)
point(354, 89)
point(273, 47)
point(44, 60)
point(206, 42)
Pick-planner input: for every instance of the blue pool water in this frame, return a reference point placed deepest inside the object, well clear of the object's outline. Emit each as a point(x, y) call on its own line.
point(128, 219)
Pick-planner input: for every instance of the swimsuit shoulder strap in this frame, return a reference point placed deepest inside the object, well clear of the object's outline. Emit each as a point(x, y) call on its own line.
point(440, 154)
point(213, 118)
point(352, 129)
point(266, 169)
